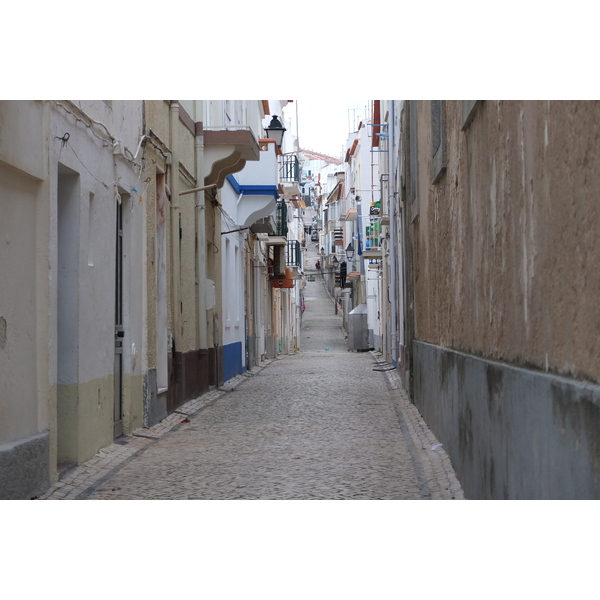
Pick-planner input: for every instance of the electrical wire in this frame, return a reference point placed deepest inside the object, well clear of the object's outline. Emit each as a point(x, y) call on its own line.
point(86, 120)
point(82, 163)
point(230, 221)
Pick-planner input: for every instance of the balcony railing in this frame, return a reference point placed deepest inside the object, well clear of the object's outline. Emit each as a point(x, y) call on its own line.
point(294, 254)
point(281, 218)
point(372, 235)
point(289, 169)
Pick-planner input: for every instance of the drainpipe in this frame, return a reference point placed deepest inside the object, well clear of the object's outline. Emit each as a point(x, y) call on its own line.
point(359, 245)
point(391, 137)
point(201, 234)
point(175, 254)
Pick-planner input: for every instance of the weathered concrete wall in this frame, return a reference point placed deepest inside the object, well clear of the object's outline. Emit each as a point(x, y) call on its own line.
point(18, 350)
point(25, 359)
point(504, 247)
point(510, 433)
point(24, 470)
point(507, 241)
point(173, 357)
point(157, 351)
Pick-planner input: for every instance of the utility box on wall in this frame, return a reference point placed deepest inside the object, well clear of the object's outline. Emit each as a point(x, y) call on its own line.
point(283, 282)
point(358, 332)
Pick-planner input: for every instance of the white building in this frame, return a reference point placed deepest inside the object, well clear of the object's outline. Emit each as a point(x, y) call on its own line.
point(247, 197)
point(363, 223)
point(70, 327)
point(259, 239)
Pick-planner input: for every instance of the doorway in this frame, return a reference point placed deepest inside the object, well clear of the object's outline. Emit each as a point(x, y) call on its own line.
point(119, 329)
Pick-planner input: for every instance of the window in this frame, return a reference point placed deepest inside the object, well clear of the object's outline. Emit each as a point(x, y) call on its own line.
point(438, 140)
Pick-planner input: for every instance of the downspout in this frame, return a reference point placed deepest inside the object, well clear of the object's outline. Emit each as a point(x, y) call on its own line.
point(359, 249)
point(175, 243)
point(201, 234)
point(391, 138)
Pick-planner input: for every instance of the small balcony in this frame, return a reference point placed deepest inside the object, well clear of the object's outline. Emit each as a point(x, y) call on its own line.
point(289, 169)
point(372, 247)
point(351, 215)
point(226, 152)
point(289, 176)
point(294, 259)
point(294, 254)
point(338, 236)
point(273, 229)
point(281, 218)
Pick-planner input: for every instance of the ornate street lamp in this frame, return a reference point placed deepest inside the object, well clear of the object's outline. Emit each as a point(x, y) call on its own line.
point(275, 130)
point(350, 252)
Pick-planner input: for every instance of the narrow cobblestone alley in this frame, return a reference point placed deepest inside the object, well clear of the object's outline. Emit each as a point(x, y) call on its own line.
point(323, 423)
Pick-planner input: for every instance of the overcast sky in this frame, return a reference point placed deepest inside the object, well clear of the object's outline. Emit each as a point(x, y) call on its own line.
point(323, 126)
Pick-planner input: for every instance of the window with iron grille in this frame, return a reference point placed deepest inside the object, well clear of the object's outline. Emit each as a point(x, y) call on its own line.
point(294, 254)
point(282, 225)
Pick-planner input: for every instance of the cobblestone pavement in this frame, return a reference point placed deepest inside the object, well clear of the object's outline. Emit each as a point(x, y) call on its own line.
point(323, 423)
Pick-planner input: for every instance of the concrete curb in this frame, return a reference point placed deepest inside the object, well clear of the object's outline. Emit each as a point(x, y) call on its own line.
point(431, 462)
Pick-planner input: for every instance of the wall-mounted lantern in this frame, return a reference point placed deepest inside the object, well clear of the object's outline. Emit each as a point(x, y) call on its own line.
point(275, 130)
point(350, 252)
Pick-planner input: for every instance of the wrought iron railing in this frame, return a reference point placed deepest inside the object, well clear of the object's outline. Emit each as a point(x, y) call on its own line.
point(281, 218)
point(289, 169)
point(294, 254)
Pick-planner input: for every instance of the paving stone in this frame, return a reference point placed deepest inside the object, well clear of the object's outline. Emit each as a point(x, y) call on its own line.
point(318, 424)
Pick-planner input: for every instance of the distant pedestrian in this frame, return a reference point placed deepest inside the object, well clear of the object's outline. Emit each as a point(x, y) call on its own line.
point(318, 264)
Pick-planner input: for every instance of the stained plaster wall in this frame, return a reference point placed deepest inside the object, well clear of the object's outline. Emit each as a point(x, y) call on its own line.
point(504, 250)
point(24, 300)
point(508, 240)
point(66, 396)
point(187, 339)
point(85, 397)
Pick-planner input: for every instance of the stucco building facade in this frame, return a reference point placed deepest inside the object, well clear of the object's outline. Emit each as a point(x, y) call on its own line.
point(501, 229)
point(69, 381)
point(136, 272)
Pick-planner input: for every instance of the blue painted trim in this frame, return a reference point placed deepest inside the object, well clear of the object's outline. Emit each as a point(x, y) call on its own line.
point(253, 190)
point(260, 190)
point(234, 184)
point(232, 360)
